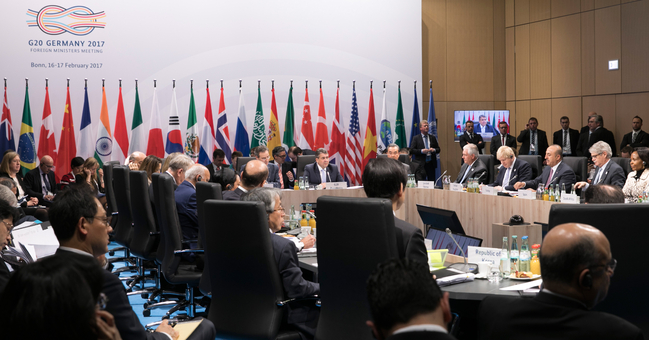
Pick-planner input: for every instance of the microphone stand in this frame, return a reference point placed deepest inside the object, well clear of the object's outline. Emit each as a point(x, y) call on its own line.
point(464, 267)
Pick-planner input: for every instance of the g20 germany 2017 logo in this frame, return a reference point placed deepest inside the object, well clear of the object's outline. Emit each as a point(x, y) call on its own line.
point(76, 20)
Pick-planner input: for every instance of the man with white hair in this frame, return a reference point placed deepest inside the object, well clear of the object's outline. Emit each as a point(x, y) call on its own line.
point(186, 200)
point(178, 166)
point(473, 167)
point(606, 172)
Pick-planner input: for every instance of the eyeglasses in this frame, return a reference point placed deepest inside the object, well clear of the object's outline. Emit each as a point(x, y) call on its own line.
point(8, 225)
point(610, 265)
point(595, 156)
point(281, 210)
point(102, 301)
point(102, 219)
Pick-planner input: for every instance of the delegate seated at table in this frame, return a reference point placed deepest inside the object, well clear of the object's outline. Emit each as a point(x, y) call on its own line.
point(321, 171)
point(556, 172)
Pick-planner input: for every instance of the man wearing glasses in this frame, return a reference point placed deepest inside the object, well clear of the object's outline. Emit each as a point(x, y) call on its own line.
point(577, 267)
point(41, 183)
point(606, 172)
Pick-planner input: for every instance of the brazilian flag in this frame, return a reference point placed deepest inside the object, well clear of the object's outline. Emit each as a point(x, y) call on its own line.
point(26, 144)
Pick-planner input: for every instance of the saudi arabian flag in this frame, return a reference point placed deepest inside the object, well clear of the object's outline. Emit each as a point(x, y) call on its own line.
point(258, 130)
point(400, 125)
point(192, 143)
point(289, 124)
point(104, 144)
point(26, 144)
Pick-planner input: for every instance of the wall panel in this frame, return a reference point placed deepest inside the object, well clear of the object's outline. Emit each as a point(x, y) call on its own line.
point(542, 110)
point(509, 13)
point(604, 106)
point(522, 62)
point(565, 7)
point(499, 51)
point(521, 11)
point(628, 106)
point(606, 3)
point(607, 47)
point(570, 107)
point(566, 56)
point(434, 46)
point(587, 53)
point(510, 65)
point(586, 5)
point(635, 46)
point(540, 60)
point(539, 10)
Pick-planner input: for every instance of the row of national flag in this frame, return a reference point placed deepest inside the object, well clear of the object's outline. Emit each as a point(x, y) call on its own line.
point(346, 148)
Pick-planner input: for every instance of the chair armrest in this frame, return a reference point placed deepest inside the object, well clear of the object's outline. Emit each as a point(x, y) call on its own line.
point(188, 251)
point(285, 302)
point(115, 213)
point(154, 233)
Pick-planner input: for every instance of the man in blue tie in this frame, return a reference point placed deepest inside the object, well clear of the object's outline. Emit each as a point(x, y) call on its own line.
point(321, 172)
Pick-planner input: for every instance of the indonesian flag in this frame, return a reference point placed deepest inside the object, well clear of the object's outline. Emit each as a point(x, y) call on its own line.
point(337, 147)
point(321, 133)
point(306, 132)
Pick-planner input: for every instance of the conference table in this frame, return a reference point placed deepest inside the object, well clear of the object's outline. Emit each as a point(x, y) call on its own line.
point(476, 212)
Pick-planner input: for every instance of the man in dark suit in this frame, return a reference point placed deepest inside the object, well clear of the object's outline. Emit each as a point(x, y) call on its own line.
point(597, 132)
point(81, 227)
point(533, 141)
point(425, 149)
point(393, 152)
point(178, 166)
point(415, 168)
point(406, 302)
point(41, 183)
point(470, 137)
point(185, 196)
point(566, 137)
point(303, 317)
point(512, 170)
point(218, 157)
point(8, 215)
point(473, 167)
point(262, 154)
point(556, 172)
point(484, 126)
point(606, 172)
point(253, 175)
point(503, 139)
point(321, 171)
point(577, 268)
point(287, 177)
point(386, 178)
point(636, 138)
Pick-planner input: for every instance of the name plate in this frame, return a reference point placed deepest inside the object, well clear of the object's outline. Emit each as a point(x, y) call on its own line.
point(527, 194)
point(336, 185)
point(487, 190)
point(456, 187)
point(268, 185)
point(426, 184)
point(483, 254)
point(569, 198)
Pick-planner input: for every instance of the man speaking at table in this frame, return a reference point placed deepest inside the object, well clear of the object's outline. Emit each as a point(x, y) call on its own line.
point(386, 178)
point(321, 171)
point(577, 267)
point(556, 172)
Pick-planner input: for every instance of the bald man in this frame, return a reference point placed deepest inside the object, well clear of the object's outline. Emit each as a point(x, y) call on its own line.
point(254, 175)
point(41, 183)
point(135, 159)
point(577, 267)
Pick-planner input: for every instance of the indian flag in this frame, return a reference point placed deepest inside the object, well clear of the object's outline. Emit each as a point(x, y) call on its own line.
point(104, 144)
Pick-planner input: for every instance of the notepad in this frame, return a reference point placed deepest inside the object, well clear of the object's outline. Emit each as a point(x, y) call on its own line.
point(185, 329)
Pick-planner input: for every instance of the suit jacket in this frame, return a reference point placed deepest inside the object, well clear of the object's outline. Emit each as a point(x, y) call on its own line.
point(613, 174)
point(418, 144)
point(541, 141)
point(410, 241)
point(465, 139)
point(641, 140)
point(421, 335)
point(5, 274)
point(33, 184)
point(233, 195)
point(548, 316)
point(478, 170)
point(186, 206)
point(564, 174)
point(313, 172)
point(295, 286)
point(21, 183)
point(287, 167)
point(573, 135)
point(417, 170)
point(496, 143)
point(488, 129)
point(212, 169)
point(521, 172)
point(601, 134)
point(273, 174)
point(173, 180)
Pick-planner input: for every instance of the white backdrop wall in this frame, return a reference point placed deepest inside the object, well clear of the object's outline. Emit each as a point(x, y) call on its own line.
point(251, 40)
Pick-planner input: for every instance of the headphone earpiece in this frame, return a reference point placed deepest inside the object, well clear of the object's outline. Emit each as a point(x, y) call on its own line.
point(644, 163)
point(588, 280)
point(199, 178)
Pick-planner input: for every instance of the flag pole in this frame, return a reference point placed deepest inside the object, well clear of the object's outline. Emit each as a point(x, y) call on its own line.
point(26, 82)
point(174, 83)
point(291, 83)
point(371, 81)
point(85, 80)
point(46, 82)
point(103, 82)
point(191, 84)
point(354, 84)
point(272, 84)
point(154, 83)
point(399, 84)
point(120, 83)
point(6, 81)
point(320, 83)
point(431, 84)
point(239, 83)
point(384, 84)
point(207, 83)
point(68, 82)
point(258, 84)
point(337, 83)
point(221, 83)
point(307, 83)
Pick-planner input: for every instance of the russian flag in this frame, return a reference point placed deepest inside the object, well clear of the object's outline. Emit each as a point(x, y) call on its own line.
point(174, 137)
point(242, 141)
point(207, 142)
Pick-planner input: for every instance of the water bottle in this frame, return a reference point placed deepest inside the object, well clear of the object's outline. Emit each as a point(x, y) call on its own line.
point(513, 255)
point(524, 264)
point(557, 193)
point(550, 193)
point(539, 192)
point(505, 265)
point(572, 189)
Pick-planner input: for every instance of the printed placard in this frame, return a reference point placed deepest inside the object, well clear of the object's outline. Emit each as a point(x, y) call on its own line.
point(426, 185)
point(483, 254)
point(487, 190)
point(569, 198)
point(456, 187)
point(336, 185)
point(527, 194)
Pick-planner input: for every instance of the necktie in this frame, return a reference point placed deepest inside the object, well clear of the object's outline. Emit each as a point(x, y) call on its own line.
point(323, 174)
point(635, 135)
point(465, 173)
point(534, 142)
point(503, 144)
point(281, 179)
point(598, 177)
point(46, 185)
point(547, 184)
point(428, 157)
point(507, 177)
point(565, 138)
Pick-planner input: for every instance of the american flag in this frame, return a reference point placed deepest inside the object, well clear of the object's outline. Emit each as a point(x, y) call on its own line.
point(353, 157)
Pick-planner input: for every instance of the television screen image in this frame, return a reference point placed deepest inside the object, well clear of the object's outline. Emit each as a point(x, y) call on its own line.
point(485, 122)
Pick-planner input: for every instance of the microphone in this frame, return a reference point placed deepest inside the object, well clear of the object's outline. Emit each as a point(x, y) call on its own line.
point(329, 176)
point(513, 178)
point(464, 267)
point(440, 176)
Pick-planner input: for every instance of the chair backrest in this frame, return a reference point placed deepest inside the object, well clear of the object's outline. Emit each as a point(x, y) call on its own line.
point(624, 163)
point(308, 152)
point(259, 289)
point(536, 162)
point(110, 192)
point(204, 192)
point(343, 274)
point(629, 278)
point(303, 161)
point(404, 158)
point(578, 165)
point(143, 244)
point(171, 227)
point(241, 161)
point(382, 155)
point(122, 189)
point(157, 203)
point(488, 160)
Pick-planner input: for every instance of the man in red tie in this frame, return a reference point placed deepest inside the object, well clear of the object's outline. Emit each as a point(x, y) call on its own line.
point(556, 172)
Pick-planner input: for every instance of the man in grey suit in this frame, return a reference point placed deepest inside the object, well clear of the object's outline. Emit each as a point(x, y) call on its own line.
point(321, 171)
point(473, 167)
point(606, 172)
point(386, 178)
point(263, 155)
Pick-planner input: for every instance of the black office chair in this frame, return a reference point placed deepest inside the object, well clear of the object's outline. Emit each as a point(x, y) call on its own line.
point(536, 162)
point(382, 155)
point(205, 191)
point(241, 161)
point(123, 230)
point(404, 158)
point(112, 208)
point(343, 274)
point(247, 294)
point(620, 223)
point(308, 152)
point(488, 160)
point(174, 269)
point(578, 165)
point(302, 161)
point(624, 163)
